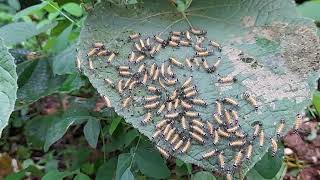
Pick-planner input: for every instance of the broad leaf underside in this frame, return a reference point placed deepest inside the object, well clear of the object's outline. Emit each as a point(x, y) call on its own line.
point(270, 50)
point(8, 85)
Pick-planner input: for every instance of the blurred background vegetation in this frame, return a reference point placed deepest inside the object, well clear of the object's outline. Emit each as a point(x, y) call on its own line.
point(88, 141)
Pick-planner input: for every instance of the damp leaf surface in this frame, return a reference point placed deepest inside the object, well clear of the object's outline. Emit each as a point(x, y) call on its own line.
point(265, 45)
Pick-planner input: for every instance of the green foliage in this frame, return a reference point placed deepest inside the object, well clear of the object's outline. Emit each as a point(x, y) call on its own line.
point(37, 80)
point(107, 170)
point(150, 163)
point(20, 31)
point(316, 100)
point(203, 175)
point(124, 162)
point(127, 175)
point(91, 132)
point(73, 8)
point(8, 85)
point(58, 129)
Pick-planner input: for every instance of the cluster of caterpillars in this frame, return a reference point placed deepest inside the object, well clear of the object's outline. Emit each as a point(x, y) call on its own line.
point(171, 101)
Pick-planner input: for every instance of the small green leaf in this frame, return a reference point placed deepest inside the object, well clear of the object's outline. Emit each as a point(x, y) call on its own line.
point(78, 157)
point(36, 129)
point(107, 170)
point(56, 131)
point(91, 132)
point(71, 83)
point(74, 115)
point(88, 168)
point(130, 136)
point(56, 175)
point(114, 124)
point(64, 62)
point(127, 175)
point(81, 176)
point(73, 8)
point(16, 176)
point(8, 85)
point(30, 10)
point(124, 161)
point(151, 164)
point(316, 100)
point(203, 175)
point(179, 162)
point(253, 174)
point(61, 42)
point(268, 166)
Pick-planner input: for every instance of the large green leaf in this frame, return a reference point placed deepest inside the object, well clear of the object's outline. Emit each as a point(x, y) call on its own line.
point(75, 115)
point(37, 80)
point(91, 132)
point(151, 164)
point(107, 170)
point(265, 44)
point(8, 85)
point(20, 31)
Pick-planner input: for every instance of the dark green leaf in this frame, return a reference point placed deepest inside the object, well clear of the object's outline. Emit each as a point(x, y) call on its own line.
point(107, 170)
point(151, 164)
point(61, 41)
point(73, 8)
point(87, 168)
point(130, 136)
point(203, 175)
point(268, 166)
point(59, 128)
point(81, 176)
point(316, 100)
point(16, 176)
point(124, 161)
point(114, 124)
point(253, 174)
point(72, 82)
point(8, 85)
point(36, 80)
point(91, 132)
point(79, 157)
point(36, 129)
point(127, 175)
point(64, 62)
point(56, 131)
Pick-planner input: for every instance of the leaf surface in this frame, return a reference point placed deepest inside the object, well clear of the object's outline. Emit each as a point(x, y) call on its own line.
point(8, 85)
point(259, 47)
